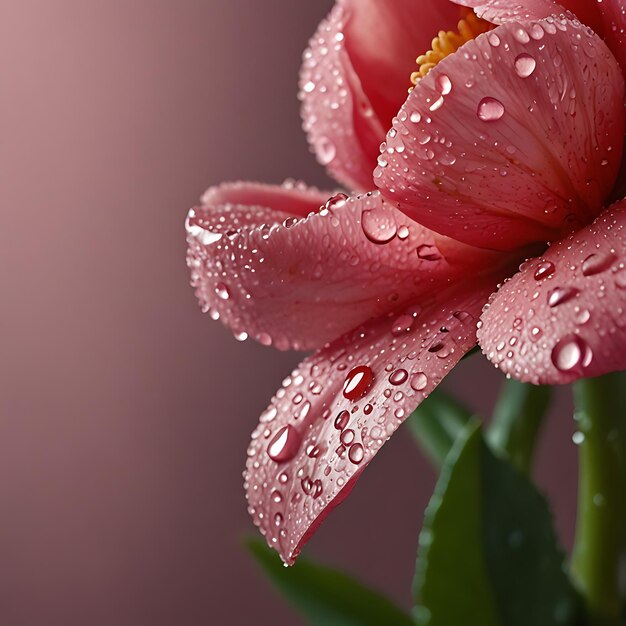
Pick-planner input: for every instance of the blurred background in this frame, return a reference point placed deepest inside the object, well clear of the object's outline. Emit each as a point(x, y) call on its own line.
point(124, 412)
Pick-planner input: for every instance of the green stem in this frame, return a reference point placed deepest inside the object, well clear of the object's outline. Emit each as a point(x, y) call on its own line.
point(601, 493)
point(516, 421)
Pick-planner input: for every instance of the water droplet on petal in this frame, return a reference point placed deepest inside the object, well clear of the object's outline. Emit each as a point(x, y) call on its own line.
point(490, 109)
point(356, 453)
point(525, 65)
point(326, 150)
point(335, 202)
point(285, 444)
point(494, 40)
point(358, 382)
point(264, 339)
point(544, 269)
point(378, 225)
point(444, 84)
point(428, 253)
point(419, 381)
point(341, 421)
point(347, 437)
point(571, 353)
point(398, 377)
point(597, 263)
point(222, 291)
point(559, 295)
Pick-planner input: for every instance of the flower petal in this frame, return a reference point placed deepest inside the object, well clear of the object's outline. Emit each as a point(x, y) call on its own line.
point(614, 20)
point(340, 405)
point(562, 317)
point(607, 17)
point(350, 89)
point(297, 282)
point(513, 139)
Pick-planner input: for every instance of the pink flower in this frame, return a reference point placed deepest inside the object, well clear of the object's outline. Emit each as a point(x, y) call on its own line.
point(507, 144)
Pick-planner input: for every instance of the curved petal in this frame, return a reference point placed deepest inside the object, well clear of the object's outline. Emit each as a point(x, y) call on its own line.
point(614, 20)
point(340, 405)
point(512, 139)
point(607, 17)
point(350, 89)
point(502, 11)
point(562, 316)
point(273, 266)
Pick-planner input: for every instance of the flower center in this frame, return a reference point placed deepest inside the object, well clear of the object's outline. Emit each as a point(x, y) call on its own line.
point(445, 43)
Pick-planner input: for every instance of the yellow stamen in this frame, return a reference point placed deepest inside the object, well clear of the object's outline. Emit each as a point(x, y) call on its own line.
point(445, 43)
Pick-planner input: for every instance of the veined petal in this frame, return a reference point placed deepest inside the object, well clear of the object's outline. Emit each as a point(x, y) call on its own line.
point(340, 405)
point(355, 75)
point(606, 17)
point(562, 317)
point(502, 11)
point(515, 138)
point(273, 266)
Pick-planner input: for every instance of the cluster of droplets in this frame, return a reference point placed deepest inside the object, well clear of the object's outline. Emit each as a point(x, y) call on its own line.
point(421, 163)
point(561, 315)
point(327, 101)
point(356, 393)
point(227, 246)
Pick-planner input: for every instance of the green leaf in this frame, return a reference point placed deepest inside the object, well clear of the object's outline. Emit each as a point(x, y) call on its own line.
point(436, 424)
point(327, 597)
point(488, 553)
point(516, 421)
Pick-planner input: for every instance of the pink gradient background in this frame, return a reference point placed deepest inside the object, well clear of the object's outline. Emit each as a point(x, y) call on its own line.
point(125, 413)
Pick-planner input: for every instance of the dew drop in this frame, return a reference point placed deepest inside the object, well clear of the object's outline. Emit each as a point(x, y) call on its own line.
point(347, 437)
point(334, 202)
point(597, 263)
point(284, 445)
point(356, 453)
point(559, 295)
point(419, 380)
point(398, 377)
point(494, 40)
point(444, 84)
point(379, 226)
point(571, 353)
point(326, 150)
point(544, 270)
point(525, 65)
point(341, 421)
point(269, 414)
point(358, 382)
point(264, 339)
point(490, 109)
point(222, 291)
point(427, 252)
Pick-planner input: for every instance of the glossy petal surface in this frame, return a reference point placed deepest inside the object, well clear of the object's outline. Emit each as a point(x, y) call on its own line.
point(614, 21)
point(274, 274)
point(562, 317)
point(515, 138)
point(340, 405)
point(606, 17)
point(355, 75)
